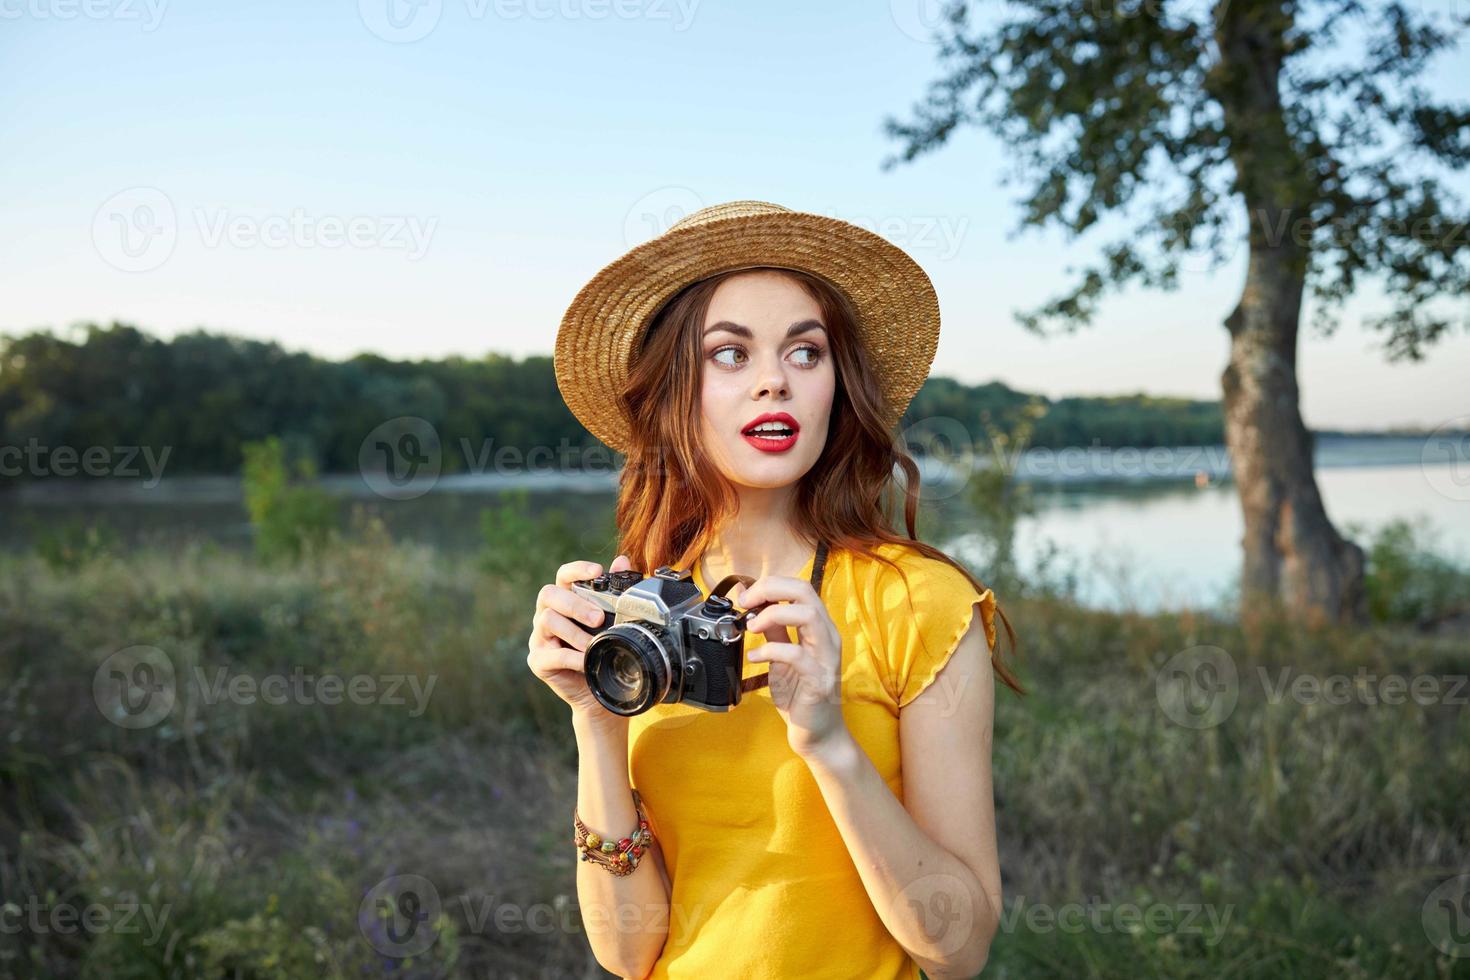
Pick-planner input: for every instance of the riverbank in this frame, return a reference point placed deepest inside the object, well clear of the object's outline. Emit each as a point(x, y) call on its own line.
point(1075, 465)
point(1143, 544)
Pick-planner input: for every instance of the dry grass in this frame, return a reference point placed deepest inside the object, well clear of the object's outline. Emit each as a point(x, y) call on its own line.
point(1319, 828)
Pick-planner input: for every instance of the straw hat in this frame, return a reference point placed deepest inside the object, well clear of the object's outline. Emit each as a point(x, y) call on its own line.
point(602, 331)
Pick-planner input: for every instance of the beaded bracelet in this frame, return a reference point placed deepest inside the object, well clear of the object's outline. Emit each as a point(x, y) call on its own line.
point(621, 857)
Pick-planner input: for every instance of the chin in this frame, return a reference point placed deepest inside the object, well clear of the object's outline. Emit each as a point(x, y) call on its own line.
point(771, 473)
point(757, 482)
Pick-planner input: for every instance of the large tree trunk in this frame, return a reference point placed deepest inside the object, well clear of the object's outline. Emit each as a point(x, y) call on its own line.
point(1292, 551)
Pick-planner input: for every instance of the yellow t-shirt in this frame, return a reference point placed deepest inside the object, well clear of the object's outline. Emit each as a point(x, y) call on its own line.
point(763, 884)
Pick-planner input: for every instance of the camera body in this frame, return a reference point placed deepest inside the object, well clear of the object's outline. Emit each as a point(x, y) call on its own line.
point(662, 641)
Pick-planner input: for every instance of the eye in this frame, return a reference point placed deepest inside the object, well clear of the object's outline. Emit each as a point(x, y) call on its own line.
point(727, 350)
point(733, 356)
point(814, 355)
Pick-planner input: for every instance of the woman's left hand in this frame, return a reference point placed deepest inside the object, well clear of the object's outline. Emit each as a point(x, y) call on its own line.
point(806, 676)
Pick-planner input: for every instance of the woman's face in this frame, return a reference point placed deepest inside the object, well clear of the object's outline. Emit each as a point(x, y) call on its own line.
point(765, 352)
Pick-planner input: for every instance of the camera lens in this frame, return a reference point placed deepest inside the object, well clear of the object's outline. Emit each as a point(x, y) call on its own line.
point(628, 668)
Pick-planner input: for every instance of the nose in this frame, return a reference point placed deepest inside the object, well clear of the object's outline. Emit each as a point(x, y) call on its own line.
point(773, 383)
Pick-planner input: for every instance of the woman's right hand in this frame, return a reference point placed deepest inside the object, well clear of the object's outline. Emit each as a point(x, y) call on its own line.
point(560, 632)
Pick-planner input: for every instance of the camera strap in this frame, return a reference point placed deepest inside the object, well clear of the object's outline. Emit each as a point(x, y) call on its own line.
point(819, 565)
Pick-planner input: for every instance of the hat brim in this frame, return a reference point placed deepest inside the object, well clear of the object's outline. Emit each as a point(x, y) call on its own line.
point(604, 327)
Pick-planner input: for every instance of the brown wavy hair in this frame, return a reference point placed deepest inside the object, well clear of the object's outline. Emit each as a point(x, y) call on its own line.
point(671, 496)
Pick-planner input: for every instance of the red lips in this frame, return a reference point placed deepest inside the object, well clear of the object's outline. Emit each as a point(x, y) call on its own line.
point(768, 443)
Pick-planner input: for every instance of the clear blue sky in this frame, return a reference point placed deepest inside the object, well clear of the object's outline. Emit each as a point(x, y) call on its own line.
point(494, 163)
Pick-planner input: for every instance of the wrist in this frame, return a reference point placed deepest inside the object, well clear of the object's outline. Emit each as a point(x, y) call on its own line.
point(838, 753)
point(598, 723)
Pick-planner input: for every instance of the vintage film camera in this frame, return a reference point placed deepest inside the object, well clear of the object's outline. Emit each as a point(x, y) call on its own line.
point(661, 640)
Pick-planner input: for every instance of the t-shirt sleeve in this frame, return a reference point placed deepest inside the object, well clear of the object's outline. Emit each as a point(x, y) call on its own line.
point(923, 621)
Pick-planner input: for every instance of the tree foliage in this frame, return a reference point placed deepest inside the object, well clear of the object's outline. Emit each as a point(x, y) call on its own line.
point(1123, 106)
point(206, 396)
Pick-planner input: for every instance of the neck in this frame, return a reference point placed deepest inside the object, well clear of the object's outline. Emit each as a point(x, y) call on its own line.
point(759, 540)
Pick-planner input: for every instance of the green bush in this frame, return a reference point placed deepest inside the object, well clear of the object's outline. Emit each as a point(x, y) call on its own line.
point(290, 517)
point(522, 550)
point(70, 545)
point(1409, 581)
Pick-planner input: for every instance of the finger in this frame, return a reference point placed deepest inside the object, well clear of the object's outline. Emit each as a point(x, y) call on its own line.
point(795, 614)
point(577, 571)
point(546, 659)
point(620, 564)
point(810, 673)
point(794, 656)
point(551, 628)
point(554, 624)
point(562, 599)
point(776, 651)
point(775, 588)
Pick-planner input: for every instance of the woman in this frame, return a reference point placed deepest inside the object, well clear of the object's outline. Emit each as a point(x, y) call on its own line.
point(753, 363)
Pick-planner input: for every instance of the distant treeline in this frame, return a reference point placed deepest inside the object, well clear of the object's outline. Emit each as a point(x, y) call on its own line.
point(204, 395)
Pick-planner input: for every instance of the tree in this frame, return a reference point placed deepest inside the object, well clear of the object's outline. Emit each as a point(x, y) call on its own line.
point(1247, 114)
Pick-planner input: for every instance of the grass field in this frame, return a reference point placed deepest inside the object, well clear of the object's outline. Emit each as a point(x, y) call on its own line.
point(1146, 830)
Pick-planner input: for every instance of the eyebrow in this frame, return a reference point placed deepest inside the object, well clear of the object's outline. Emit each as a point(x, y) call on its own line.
point(799, 327)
